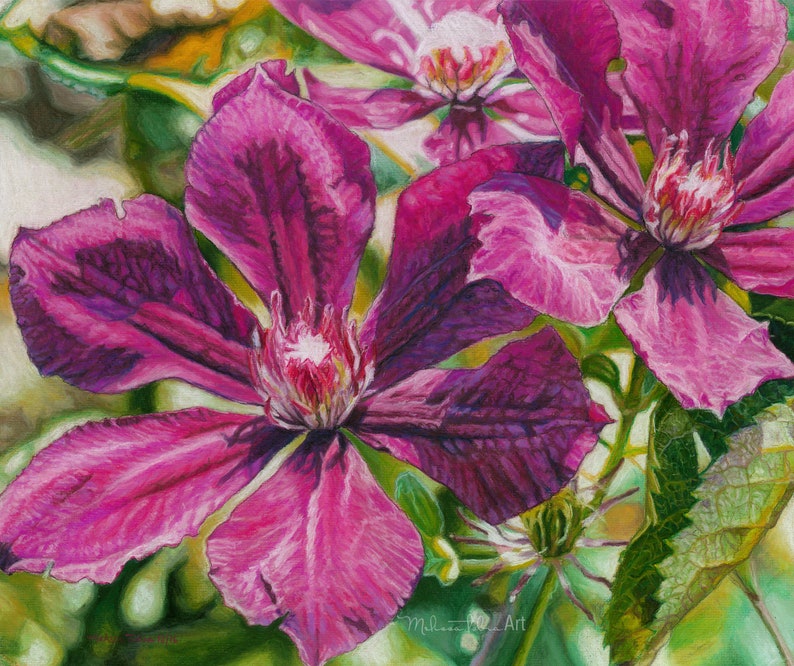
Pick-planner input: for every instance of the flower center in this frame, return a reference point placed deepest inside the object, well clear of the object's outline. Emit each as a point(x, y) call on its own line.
point(464, 55)
point(310, 376)
point(686, 207)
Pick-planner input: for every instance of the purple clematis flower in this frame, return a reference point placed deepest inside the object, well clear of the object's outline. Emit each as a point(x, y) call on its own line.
point(456, 54)
point(285, 191)
point(691, 68)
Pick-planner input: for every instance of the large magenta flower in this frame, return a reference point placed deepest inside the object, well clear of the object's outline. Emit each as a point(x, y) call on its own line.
point(456, 54)
point(691, 68)
point(112, 303)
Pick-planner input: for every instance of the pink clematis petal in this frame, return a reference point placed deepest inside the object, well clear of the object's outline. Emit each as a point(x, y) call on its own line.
point(275, 70)
point(323, 545)
point(564, 49)
point(434, 239)
point(550, 247)
point(380, 33)
point(129, 303)
point(119, 489)
point(694, 64)
point(465, 131)
point(290, 203)
point(503, 437)
point(523, 105)
point(374, 32)
point(702, 346)
point(759, 260)
point(361, 107)
point(765, 160)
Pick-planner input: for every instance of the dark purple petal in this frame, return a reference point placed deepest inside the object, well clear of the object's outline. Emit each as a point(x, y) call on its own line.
point(702, 346)
point(285, 192)
point(321, 543)
point(758, 260)
point(503, 437)
point(550, 247)
point(480, 310)
point(694, 64)
point(564, 49)
point(110, 304)
point(434, 239)
point(360, 107)
point(765, 159)
point(120, 489)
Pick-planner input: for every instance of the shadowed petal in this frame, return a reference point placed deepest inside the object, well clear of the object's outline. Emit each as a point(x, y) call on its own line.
point(765, 159)
point(360, 107)
point(503, 437)
point(119, 489)
point(564, 49)
point(758, 260)
point(110, 304)
point(694, 64)
point(703, 347)
point(552, 248)
point(290, 202)
point(434, 240)
point(321, 543)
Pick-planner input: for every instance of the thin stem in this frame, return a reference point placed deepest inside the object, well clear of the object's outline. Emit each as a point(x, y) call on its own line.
point(615, 457)
point(744, 577)
point(535, 619)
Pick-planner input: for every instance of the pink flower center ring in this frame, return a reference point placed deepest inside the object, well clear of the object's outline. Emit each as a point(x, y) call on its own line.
point(686, 207)
point(310, 376)
point(464, 56)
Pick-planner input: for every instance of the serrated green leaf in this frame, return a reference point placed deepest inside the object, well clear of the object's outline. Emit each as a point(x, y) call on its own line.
point(673, 476)
point(673, 482)
point(779, 312)
point(738, 501)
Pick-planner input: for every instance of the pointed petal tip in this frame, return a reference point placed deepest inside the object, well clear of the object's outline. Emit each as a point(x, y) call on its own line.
point(598, 414)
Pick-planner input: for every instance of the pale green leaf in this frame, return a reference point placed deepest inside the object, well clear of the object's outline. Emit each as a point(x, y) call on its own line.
point(739, 500)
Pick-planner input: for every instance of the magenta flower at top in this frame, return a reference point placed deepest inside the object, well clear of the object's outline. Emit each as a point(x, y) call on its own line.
point(456, 54)
point(691, 68)
point(286, 192)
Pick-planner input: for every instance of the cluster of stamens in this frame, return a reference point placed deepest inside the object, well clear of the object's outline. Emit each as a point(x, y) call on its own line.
point(686, 207)
point(463, 77)
point(310, 371)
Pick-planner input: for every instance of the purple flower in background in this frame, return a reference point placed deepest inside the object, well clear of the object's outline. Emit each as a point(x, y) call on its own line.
point(456, 54)
point(286, 193)
point(691, 69)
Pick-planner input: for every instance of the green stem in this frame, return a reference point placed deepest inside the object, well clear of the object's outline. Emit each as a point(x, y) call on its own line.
point(744, 577)
point(536, 619)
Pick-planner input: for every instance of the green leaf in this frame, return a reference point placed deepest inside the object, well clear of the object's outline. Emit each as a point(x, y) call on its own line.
point(779, 312)
point(603, 369)
point(738, 501)
point(680, 438)
point(673, 476)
